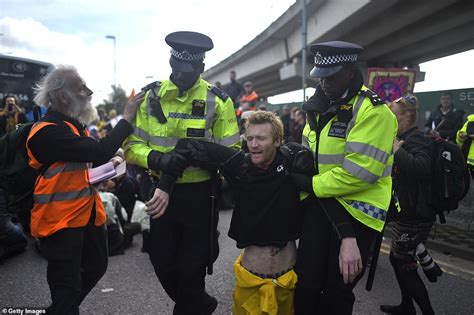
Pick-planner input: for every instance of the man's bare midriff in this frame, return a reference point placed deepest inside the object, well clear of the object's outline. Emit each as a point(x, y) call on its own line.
point(269, 259)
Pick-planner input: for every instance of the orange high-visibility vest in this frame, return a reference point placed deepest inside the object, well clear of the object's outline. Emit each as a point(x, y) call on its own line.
point(63, 197)
point(251, 98)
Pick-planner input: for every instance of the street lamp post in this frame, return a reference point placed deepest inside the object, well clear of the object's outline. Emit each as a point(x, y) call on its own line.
point(112, 37)
point(304, 29)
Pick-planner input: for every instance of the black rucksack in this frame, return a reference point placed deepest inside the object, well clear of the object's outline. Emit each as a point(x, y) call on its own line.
point(17, 178)
point(451, 179)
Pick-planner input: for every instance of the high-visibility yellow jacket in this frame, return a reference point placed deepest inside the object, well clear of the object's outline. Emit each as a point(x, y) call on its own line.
point(470, 155)
point(202, 112)
point(355, 166)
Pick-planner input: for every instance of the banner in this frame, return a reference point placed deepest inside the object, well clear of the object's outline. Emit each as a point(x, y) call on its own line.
point(391, 83)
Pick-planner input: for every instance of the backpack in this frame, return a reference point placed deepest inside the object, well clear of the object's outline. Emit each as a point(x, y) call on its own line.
point(451, 179)
point(17, 178)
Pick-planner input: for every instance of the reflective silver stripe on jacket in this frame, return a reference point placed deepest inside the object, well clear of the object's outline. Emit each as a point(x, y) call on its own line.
point(211, 109)
point(387, 171)
point(370, 210)
point(330, 158)
point(368, 150)
point(130, 143)
point(364, 174)
point(68, 167)
point(355, 112)
point(140, 133)
point(63, 196)
point(359, 172)
point(228, 141)
point(156, 140)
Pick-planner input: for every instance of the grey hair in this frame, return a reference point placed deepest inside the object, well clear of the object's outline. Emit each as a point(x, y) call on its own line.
point(47, 89)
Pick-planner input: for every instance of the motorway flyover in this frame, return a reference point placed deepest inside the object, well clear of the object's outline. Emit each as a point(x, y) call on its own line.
point(394, 33)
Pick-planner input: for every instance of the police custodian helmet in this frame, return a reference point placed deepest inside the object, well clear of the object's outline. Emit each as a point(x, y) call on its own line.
point(187, 49)
point(330, 57)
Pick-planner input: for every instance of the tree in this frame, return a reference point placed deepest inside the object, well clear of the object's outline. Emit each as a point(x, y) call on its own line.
point(118, 101)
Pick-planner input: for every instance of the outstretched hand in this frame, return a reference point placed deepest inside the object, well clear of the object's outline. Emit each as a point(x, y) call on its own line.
point(130, 110)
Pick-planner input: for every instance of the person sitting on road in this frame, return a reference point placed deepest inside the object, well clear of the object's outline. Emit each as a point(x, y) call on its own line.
point(266, 218)
point(120, 231)
point(411, 177)
point(12, 237)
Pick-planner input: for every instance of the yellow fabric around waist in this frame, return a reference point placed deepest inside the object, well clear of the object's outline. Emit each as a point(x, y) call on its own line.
point(256, 296)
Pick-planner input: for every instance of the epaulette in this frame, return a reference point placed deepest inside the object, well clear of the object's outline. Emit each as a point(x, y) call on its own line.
point(373, 97)
point(219, 93)
point(151, 86)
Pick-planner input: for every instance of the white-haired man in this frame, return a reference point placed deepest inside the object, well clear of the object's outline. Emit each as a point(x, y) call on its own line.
point(68, 215)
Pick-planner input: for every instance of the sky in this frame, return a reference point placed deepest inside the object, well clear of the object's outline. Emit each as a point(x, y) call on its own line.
point(74, 32)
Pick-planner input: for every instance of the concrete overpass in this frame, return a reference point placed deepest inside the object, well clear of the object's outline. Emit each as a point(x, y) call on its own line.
point(394, 33)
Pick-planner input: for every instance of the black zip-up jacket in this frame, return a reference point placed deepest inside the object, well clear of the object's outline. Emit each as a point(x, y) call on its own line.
point(268, 210)
point(446, 124)
point(411, 177)
point(234, 90)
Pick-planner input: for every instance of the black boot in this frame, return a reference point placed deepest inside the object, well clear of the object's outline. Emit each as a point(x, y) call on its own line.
point(210, 303)
point(398, 309)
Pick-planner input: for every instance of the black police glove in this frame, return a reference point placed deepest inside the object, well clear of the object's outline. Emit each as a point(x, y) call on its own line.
point(302, 181)
point(204, 154)
point(303, 162)
point(299, 157)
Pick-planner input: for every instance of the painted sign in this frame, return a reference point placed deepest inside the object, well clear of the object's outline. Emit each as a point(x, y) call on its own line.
point(391, 83)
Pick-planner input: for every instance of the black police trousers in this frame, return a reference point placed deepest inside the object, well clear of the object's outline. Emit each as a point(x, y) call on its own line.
point(77, 259)
point(179, 247)
point(320, 288)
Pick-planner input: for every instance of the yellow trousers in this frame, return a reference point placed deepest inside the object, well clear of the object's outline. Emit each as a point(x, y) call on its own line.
point(257, 296)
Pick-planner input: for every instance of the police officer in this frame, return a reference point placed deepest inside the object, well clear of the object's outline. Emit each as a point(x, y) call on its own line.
point(185, 106)
point(464, 138)
point(351, 132)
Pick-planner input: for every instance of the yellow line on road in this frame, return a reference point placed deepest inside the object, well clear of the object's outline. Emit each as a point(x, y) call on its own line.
point(386, 250)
